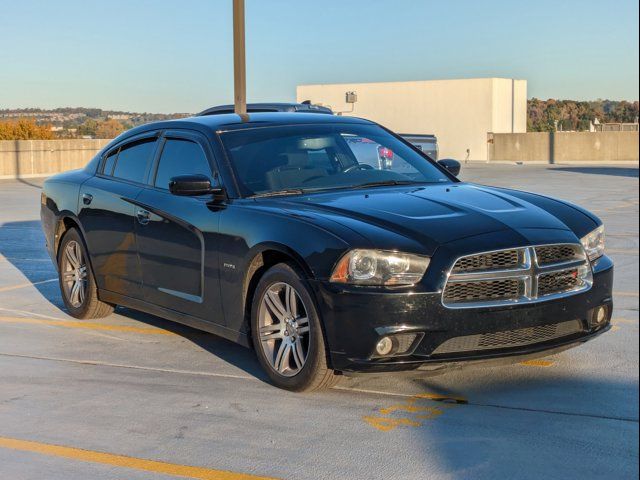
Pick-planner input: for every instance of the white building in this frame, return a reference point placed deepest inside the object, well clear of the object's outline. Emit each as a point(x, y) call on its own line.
point(459, 112)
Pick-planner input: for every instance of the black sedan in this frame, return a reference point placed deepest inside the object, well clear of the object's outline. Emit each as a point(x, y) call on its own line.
point(329, 244)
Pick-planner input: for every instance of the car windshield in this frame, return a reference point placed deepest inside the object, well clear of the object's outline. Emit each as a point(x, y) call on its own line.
point(304, 158)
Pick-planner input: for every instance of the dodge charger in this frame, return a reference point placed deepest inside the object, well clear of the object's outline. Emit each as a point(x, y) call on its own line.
point(327, 244)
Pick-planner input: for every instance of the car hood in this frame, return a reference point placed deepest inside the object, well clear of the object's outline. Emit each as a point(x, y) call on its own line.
point(431, 215)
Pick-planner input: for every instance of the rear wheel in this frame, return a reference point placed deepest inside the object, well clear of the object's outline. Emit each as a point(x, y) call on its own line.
point(286, 332)
point(78, 287)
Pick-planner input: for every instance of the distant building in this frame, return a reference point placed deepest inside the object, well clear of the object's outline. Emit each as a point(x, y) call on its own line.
point(615, 127)
point(459, 112)
point(123, 116)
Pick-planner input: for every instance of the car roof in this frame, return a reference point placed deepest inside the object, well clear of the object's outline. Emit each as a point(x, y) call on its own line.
point(231, 121)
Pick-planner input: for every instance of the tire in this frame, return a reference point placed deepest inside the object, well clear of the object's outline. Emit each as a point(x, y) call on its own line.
point(76, 280)
point(292, 352)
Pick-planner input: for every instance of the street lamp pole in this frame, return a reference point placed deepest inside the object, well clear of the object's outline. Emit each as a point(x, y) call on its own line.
point(239, 65)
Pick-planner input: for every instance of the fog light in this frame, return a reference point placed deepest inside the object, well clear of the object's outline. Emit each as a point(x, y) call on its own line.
point(599, 316)
point(384, 346)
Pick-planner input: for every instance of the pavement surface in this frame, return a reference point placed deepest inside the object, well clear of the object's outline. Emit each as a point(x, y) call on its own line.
point(133, 396)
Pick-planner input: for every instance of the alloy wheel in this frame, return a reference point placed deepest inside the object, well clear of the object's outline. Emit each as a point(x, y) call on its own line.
point(283, 327)
point(74, 274)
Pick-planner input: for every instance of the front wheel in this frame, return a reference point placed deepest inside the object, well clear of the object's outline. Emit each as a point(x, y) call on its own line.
point(286, 332)
point(78, 287)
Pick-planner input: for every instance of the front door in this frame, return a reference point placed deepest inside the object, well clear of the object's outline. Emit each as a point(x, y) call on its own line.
point(177, 236)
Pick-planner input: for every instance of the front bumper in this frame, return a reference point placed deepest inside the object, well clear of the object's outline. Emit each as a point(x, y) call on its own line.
point(356, 318)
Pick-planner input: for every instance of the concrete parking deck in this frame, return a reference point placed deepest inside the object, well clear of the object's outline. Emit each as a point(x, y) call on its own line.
point(137, 397)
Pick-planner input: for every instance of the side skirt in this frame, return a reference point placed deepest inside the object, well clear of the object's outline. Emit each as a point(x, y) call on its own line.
point(168, 314)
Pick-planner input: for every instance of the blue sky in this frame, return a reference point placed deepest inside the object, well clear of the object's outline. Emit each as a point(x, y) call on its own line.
point(175, 56)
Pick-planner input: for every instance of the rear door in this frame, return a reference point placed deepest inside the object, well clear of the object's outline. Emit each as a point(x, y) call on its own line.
point(177, 236)
point(107, 211)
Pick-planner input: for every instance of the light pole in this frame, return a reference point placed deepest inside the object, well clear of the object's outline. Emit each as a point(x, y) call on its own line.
point(239, 66)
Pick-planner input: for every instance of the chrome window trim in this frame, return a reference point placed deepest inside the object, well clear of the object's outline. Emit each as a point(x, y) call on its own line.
point(528, 271)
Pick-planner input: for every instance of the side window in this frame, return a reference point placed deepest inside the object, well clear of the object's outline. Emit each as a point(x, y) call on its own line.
point(110, 162)
point(180, 157)
point(134, 159)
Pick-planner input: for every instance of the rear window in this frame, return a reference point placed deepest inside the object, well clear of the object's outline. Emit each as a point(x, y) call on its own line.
point(133, 160)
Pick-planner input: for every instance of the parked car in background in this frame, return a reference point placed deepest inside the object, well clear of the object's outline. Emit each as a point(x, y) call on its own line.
point(305, 107)
point(328, 244)
point(427, 143)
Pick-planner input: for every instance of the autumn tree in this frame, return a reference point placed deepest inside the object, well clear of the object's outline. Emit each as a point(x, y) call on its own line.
point(25, 129)
point(88, 128)
point(110, 128)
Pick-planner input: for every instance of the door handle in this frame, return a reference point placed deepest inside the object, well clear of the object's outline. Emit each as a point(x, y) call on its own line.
point(87, 198)
point(142, 216)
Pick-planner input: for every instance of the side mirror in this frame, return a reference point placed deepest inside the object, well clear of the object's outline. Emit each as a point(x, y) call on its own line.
point(192, 185)
point(452, 166)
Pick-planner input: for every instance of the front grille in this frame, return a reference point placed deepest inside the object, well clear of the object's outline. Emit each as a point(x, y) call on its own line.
point(556, 253)
point(517, 275)
point(555, 282)
point(509, 338)
point(483, 291)
point(500, 260)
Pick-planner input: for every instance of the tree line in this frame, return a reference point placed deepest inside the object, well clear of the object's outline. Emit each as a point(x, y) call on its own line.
point(567, 115)
point(542, 116)
point(29, 129)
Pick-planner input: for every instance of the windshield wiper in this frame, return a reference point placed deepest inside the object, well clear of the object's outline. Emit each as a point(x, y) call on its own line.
point(385, 183)
point(274, 193)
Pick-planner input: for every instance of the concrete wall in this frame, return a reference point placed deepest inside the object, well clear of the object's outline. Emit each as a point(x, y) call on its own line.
point(458, 112)
point(563, 147)
point(28, 158)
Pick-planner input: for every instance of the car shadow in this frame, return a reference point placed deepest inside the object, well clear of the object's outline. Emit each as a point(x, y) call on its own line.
point(611, 171)
point(539, 423)
point(22, 245)
point(226, 350)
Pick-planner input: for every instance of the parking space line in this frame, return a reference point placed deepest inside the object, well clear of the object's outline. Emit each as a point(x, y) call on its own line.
point(26, 312)
point(28, 284)
point(624, 320)
point(124, 461)
point(625, 294)
point(537, 363)
point(87, 325)
point(17, 259)
point(132, 367)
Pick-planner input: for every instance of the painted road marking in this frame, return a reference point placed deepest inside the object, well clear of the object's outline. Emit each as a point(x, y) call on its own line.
point(124, 461)
point(25, 313)
point(625, 294)
point(537, 363)
point(415, 406)
point(24, 285)
point(623, 251)
point(18, 259)
point(132, 367)
point(624, 320)
point(87, 325)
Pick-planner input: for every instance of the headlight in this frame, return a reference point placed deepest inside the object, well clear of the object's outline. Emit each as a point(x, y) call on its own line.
point(593, 243)
point(380, 267)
